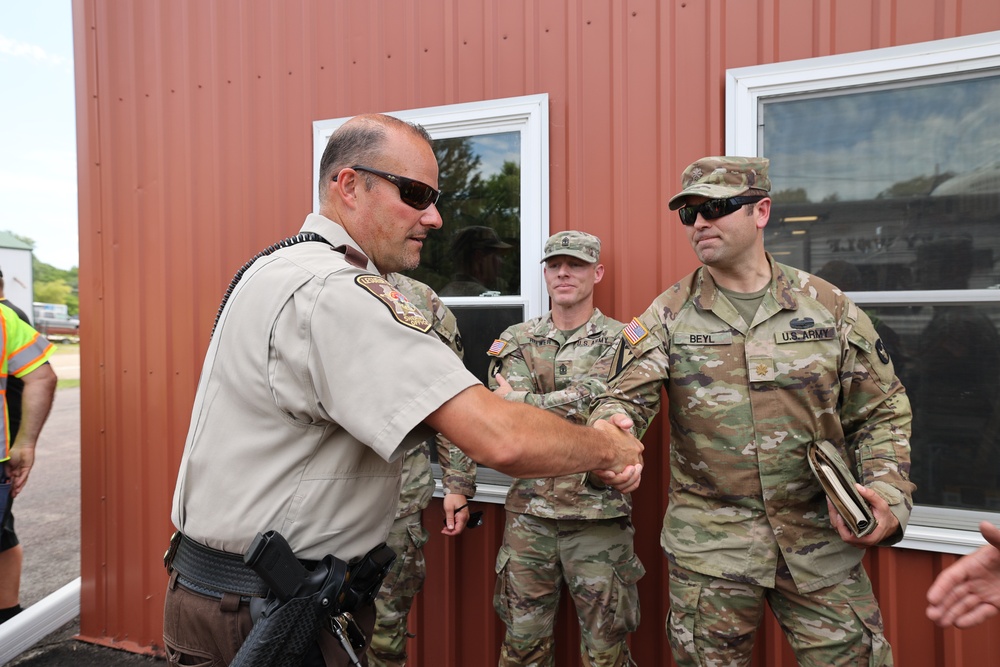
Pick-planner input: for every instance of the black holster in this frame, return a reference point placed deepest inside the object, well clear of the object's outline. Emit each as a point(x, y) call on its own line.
point(296, 609)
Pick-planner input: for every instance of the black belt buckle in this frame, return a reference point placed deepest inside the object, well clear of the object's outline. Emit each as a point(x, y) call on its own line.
point(168, 555)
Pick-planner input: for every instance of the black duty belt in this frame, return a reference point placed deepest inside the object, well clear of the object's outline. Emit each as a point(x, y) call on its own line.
point(211, 571)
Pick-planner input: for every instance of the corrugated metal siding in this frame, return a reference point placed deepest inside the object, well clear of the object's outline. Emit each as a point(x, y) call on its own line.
point(194, 125)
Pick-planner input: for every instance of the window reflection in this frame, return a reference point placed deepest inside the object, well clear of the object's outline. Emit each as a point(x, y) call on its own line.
point(948, 357)
point(874, 176)
point(477, 251)
point(898, 188)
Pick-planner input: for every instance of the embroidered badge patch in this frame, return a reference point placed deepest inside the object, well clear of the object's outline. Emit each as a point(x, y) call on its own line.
point(496, 348)
point(705, 338)
point(634, 331)
point(883, 354)
point(623, 357)
point(805, 335)
point(400, 307)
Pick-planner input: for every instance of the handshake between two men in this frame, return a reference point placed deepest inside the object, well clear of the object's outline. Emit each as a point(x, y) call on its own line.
point(526, 442)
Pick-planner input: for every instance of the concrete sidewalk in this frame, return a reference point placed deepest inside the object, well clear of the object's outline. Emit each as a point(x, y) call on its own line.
point(67, 365)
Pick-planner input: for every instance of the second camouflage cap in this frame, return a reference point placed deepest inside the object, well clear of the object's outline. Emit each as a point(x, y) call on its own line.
point(721, 178)
point(575, 244)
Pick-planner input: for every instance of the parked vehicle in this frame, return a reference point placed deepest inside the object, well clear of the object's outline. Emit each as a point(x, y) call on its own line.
point(54, 321)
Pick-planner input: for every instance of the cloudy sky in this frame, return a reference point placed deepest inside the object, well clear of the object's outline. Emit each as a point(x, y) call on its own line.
point(38, 128)
point(856, 146)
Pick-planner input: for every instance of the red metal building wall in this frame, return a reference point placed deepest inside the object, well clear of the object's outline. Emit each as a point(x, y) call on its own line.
point(195, 151)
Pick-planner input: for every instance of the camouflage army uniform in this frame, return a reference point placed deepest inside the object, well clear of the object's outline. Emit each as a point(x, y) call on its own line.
point(408, 536)
point(744, 510)
point(562, 529)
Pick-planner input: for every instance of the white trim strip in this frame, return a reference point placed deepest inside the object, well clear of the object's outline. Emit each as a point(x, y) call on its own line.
point(39, 621)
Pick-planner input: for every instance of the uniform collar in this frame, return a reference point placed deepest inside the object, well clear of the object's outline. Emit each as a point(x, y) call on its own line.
point(706, 293)
point(547, 328)
point(338, 237)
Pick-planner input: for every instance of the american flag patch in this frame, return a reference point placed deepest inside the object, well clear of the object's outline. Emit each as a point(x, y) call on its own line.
point(634, 331)
point(497, 347)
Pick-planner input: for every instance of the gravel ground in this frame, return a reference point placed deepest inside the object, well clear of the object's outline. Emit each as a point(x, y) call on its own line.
point(60, 648)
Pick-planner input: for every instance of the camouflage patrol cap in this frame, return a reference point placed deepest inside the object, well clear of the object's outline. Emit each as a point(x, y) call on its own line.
point(722, 177)
point(575, 244)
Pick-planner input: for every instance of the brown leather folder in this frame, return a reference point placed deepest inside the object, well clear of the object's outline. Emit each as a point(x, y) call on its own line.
point(838, 483)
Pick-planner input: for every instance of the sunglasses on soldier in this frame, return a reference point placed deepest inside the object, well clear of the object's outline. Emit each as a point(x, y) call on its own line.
point(713, 208)
point(412, 193)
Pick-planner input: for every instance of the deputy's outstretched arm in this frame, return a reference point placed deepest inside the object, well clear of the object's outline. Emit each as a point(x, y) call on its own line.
point(525, 442)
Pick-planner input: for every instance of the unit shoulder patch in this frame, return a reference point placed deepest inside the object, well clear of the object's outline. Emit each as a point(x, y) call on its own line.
point(623, 356)
point(401, 308)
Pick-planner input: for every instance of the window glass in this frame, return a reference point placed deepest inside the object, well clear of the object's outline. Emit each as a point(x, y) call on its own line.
point(477, 251)
point(883, 178)
point(898, 188)
point(886, 180)
point(948, 358)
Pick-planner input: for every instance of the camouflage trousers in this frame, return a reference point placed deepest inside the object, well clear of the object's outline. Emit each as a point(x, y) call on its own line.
point(596, 561)
point(407, 538)
point(713, 621)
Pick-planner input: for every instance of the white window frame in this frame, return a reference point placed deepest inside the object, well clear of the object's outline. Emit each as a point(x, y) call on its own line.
point(529, 116)
point(746, 90)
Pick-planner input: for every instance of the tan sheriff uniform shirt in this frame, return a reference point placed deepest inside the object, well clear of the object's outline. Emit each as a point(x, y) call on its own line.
point(316, 381)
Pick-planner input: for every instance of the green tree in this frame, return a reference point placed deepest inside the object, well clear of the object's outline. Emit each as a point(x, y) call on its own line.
point(55, 291)
point(500, 198)
point(467, 199)
point(919, 185)
point(54, 285)
point(458, 168)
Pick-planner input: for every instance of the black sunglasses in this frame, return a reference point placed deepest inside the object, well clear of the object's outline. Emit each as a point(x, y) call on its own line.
point(713, 208)
point(412, 193)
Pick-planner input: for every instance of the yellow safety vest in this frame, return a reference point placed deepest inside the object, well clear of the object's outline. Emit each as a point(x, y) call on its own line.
point(23, 350)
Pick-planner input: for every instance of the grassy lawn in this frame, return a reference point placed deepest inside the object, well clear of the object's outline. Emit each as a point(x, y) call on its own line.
point(62, 349)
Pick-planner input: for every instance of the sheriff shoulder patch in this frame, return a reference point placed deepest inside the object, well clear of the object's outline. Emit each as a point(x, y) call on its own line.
point(496, 348)
point(400, 307)
point(634, 331)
